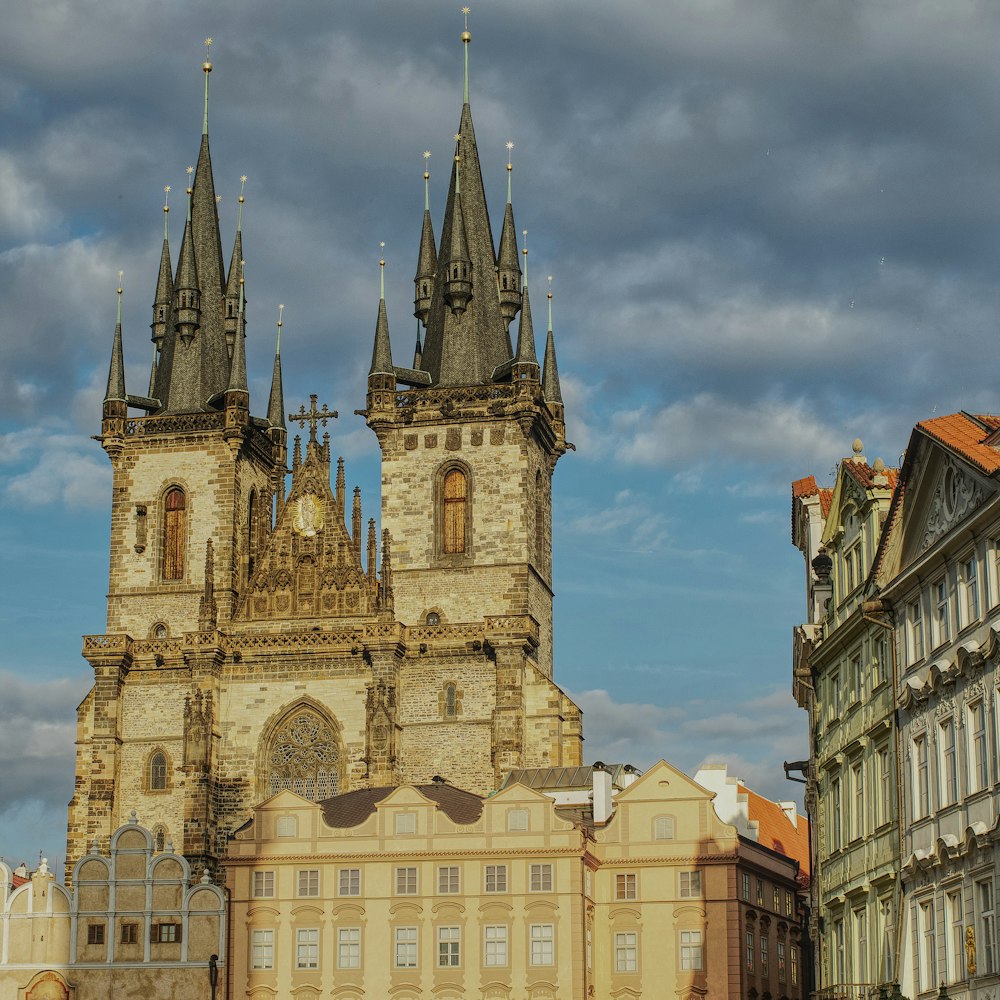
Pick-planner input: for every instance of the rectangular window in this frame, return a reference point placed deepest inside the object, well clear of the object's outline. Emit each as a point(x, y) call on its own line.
point(130, 933)
point(856, 691)
point(626, 952)
point(166, 933)
point(449, 947)
point(884, 785)
point(625, 885)
point(835, 706)
point(448, 879)
point(95, 933)
point(970, 591)
point(750, 952)
point(262, 950)
point(861, 945)
point(746, 887)
point(781, 961)
point(927, 967)
point(921, 788)
point(915, 632)
point(789, 904)
point(406, 881)
point(307, 948)
point(987, 928)
point(956, 937)
point(517, 820)
point(663, 828)
point(794, 956)
point(948, 789)
point(540, 878)
point(349, 948)
point(496, 878)
point(263, 885)
point(692, 952)
point(690, 884)
point(776, 904)
point(858, 812)
point(406, 947)
point(836, 826)
point(495, 945)
point(764, 950)
point(309, 882)
point(978, 760)
point(542, 944)
point(942, 617)
point(406, 823)
point(349, 882)
point(840, 951)
point(880, 662)
point(760, 892)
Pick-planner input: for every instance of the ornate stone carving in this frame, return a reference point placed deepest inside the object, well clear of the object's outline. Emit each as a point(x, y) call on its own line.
point(304, 757)
point(957, 494)
point(308, 518)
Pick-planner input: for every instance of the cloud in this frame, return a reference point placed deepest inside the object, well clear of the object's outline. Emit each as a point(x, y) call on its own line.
point(61, 468)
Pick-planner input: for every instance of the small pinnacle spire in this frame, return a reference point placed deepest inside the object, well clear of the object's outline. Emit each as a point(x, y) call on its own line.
point(238, 374)
point(423, 280)
point(116, 373)
point(341, 489)
point(234, 286)
point(526, 335)
point(276, 401)
point(207, 67)
point(356, 522)
point(551, 390)
point(418, 351)
point(466, 38)
point(371, 562)
point(382, 351)
point(277, 343)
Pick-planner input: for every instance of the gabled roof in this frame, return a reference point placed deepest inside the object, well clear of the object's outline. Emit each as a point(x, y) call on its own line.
point(353, 808)
point(967, 434)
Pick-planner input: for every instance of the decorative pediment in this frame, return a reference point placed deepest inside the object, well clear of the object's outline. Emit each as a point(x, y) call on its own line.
point(956, 495)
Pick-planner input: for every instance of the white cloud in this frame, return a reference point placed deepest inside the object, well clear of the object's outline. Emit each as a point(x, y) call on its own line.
point(62, 468)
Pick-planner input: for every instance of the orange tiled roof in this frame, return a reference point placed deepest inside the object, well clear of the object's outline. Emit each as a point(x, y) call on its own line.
point(805, 487)
point(966, 434)
point(775, 830)
point(865, 474)
point(825, 500)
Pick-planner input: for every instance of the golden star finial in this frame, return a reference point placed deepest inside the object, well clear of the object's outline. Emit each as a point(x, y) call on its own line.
point(207, 64)
point(427, 154)
point(243, 178)
point(121, 274)
point(218, 199)
point(457, 137)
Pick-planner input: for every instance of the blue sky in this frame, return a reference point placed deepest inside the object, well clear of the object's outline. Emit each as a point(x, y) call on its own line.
point(771, 228)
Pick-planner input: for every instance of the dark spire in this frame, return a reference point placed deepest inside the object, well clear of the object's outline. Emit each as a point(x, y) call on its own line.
point(208, 614)
point(418, 351)
point(382, 351)
point(508, 268)
point(238, 371)
point(457, 263)
point(187, 293)
point(550, 373)
point(356, 523)
point(164, 282)
point(233, 281)
point(525, 360)
point(371, 563)
point(116, 373)
point(276, 401)
point(339, 495)
point(423, 281)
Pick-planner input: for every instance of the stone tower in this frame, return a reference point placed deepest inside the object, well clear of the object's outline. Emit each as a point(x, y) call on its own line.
point(259, 637)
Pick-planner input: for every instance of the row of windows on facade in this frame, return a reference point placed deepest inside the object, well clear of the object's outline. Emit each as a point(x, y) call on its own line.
point(540, 945)
point(864, 675)
point(870, 786)
point(853, 959)
point(495, 879)
point(786, 958)
point(159, 933)
point(755, 891)
point(963, 922)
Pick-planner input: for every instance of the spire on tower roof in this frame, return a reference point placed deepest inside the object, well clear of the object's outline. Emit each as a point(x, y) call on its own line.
point(508, 267)
point(116, 372)
point(526, 335)
point(550, 373)
point(276, 401)
point(382, 352)
point(233, 285)
point(238, 371)
point(423, 281)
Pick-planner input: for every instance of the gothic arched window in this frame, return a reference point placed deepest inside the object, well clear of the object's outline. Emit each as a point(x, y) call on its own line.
point(450, 701)
point(456, 495)
point(159, 838)
point(175, 506)
point(158, 772)
point(304, 757)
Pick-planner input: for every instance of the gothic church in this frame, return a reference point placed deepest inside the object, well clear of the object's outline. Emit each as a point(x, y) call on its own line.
point(259, 636)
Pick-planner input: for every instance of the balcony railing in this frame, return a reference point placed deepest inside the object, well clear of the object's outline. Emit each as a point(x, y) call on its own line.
point(850, 991)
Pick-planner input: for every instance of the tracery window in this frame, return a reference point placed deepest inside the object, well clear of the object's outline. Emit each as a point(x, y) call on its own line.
point(304, 757)
point(158, 772)
point(450, 701)
point(456, 492)
point(175, 506)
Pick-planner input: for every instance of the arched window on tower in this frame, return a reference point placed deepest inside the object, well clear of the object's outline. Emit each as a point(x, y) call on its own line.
point(158, 772)
point(175, 506)
point(456, 494)
point(450, 701)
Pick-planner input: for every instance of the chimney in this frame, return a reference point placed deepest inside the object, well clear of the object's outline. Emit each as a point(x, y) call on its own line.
point(791, 813)
point(602, 792)
point(629, 774)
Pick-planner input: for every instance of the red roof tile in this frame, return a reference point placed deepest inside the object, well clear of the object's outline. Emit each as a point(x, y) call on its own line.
point(967, 434)
point(825, 499)
point(776, 831)
point(805, 487)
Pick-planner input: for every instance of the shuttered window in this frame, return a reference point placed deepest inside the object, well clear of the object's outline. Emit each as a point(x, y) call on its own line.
point(173, 534)
point(455, 499)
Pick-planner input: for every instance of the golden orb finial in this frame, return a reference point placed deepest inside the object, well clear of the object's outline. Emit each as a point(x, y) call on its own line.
point(207, 64)
point(166, 198)
point(121, 274)
point(466, 37)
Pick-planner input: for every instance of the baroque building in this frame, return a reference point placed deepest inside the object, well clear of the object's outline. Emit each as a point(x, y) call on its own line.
point(843, 677)
point(259, 637)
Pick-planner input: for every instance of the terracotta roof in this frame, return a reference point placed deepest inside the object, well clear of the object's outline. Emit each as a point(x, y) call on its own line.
point(17, 880)
point(825, 499)
point(353, 808)
point(805, 487)
point(967, 434)
point(775, 830)
point(865, 474)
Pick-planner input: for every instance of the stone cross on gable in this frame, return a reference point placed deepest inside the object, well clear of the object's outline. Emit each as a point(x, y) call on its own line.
point(313, 416)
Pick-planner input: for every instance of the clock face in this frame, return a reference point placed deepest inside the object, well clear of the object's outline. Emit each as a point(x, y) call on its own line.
point(309, 517)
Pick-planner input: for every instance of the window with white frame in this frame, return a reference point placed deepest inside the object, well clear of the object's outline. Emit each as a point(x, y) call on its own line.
point(262, 949)
point(542, 938)
point(927, 967)
point(348, 947)
point(625, 885)
point(448, 879)
point(540, 878)
point(692, 951)
point(880, 661)
point(855, 678)
point(836, 825)
point(914, 632)
point(885, 785)
point(970, 591)
point(405, 823)
point(750, 951)
point(690, 884)
point(626, 951)
point(263, 885)
point(405, 941)
point(495, 878)
point(840, 951)
point(517, 820)
point(449, 947)
point(861, 945)
point(349, 882)
point(663, 828)
point(987, 927)
point(307, 948)
point(495, 945)
point(835, 706)
point(308, 882)
point(789, 904)
point(765, 949)
point(942, 613)
point(780, 954)
point(978, 760)
point(887, 938)
point(858, 811)
point(956, 936)
point(794, 967)
point(948, 784)
point(406, 881)
point(287, 826)
point(921, 786)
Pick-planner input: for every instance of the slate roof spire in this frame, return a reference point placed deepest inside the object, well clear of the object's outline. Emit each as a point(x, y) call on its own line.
point(423, 281)
point(116, 372)
point(551, 389)
point(382, 351)
point(238, 370)
point(234, 288)
point(508, 268)
point(276, 401)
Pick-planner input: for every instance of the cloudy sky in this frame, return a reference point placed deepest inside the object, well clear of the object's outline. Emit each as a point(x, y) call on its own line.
point(771, 227)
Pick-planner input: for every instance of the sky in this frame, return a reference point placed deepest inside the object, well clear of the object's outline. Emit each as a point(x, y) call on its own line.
point(771, 228)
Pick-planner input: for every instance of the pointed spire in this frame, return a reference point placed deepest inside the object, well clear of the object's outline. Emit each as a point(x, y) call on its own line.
point(187, 293)
point(466, 38)
point(297, 453)
point(385, 590)
point(356, 523)
point(371, 564)
point(418, 351)
point(526, 338)
point(276, 401)
point(339, 496)
point(382, 352)
point(238, 372)
point(508, 268)
point(423, 281)
point(550, 373)
point(208, 614)
point(233, 283)
point(458, 263)
point(164, 282)
point(116, 373)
